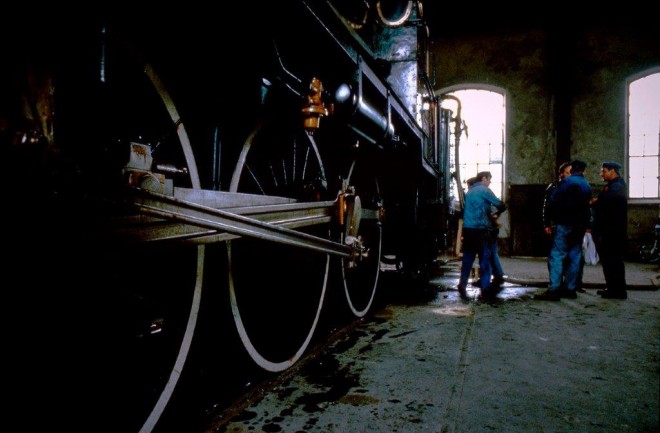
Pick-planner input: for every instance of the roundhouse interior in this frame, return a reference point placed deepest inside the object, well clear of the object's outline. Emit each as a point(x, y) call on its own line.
point(153, 156)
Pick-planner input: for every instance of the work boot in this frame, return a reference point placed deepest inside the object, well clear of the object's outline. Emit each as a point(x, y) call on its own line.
point(548, 295)
point(497, 281)
point(570, 294)
point(610, 294)
point(462, 291)
point(493, 290)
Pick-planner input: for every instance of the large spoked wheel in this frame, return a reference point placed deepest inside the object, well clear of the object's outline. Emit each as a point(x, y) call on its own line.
point(192, 286)
point(363, 226)
point(144, 298)
point(277, 291)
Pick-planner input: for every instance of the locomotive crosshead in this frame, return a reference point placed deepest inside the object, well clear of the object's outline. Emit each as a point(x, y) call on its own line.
point(350, 214)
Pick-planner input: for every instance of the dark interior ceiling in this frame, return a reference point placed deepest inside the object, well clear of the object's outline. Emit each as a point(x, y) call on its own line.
point(449, 20)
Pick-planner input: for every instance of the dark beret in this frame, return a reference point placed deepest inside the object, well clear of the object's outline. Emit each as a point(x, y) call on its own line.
point(578, 166)
point(611, 165)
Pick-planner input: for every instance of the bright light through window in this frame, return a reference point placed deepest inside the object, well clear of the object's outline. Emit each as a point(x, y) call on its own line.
point(644, 137)
point(481, 145)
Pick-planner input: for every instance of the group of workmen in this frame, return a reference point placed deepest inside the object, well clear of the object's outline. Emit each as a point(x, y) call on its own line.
point(569, 212)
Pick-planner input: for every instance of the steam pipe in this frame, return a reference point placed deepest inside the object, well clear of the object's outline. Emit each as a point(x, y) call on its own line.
point(458, 129)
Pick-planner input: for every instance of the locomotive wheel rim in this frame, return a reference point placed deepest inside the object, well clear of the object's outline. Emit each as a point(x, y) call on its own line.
point(259, 359)
point(147, 346)
point(140, 345)
point(182, 356)
point(186, 342)
point(361, 311)
point(372, 276)
point(248, 343)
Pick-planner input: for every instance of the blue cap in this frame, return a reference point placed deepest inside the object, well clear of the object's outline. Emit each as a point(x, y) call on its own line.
point(611, 165)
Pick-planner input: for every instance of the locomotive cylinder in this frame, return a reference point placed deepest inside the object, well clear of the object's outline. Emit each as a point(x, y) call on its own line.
point(363, 112)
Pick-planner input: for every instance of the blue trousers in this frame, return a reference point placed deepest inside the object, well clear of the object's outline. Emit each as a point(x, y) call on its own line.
point(498, 272)
point(565, 257)
point(476, 242)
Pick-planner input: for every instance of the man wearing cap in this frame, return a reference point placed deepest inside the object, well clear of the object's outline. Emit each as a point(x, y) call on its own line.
point(610, 229)
point(570, 203)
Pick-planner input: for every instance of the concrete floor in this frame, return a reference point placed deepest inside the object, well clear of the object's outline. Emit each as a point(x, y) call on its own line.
point(434, 363)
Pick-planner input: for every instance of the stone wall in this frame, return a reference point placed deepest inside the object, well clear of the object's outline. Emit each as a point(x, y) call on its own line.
point(566, 93)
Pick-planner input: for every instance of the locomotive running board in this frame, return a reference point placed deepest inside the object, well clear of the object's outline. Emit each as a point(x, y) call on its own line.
point(220, 216)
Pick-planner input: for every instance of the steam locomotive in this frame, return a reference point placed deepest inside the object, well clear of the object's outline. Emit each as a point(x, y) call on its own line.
point(188, 190)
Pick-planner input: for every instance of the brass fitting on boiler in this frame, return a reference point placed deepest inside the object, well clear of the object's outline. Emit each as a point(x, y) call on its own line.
point(315, 108)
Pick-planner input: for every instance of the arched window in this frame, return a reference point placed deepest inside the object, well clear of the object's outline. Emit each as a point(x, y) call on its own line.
point(643, 127)
point(482, 136)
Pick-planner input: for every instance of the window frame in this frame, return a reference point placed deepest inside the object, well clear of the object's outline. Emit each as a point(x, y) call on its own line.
point(629, 81)
point(505, 96)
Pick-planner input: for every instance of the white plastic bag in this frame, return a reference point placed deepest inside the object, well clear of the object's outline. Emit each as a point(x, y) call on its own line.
point(589, 250)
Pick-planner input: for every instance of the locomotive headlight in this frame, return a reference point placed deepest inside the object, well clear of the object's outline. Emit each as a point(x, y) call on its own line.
point(344, 95)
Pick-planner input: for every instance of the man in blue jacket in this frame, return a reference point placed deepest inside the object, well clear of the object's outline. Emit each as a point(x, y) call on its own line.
point(570, 202)
point(479, 202)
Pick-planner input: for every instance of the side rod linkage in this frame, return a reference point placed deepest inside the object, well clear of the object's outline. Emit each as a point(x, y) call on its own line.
point(245, 221)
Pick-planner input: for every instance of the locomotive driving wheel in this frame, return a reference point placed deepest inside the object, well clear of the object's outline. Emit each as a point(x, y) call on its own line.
point(362, 229)
point(146, 296)
point(277, 291)
point(191, 261)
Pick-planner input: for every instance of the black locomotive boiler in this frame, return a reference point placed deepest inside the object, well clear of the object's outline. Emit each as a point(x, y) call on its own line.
point(185, 190)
